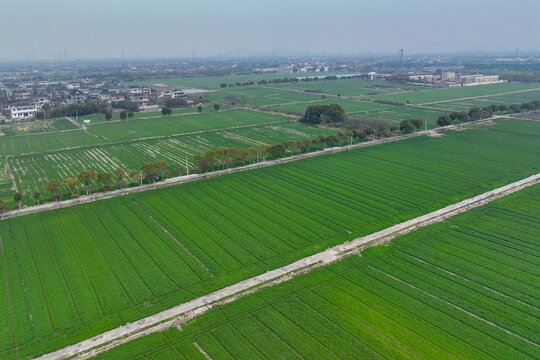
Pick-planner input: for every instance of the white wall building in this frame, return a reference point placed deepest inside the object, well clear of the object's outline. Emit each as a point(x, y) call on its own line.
point(448, 75)
point(23, 112)
point(468, 80)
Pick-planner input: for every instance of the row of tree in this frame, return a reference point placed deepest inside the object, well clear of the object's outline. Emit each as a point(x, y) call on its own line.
point(88, 179)
point(223, 157)
point(71, 110)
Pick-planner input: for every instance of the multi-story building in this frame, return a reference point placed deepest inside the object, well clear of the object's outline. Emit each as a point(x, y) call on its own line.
point(468, 80)
point(20, 112)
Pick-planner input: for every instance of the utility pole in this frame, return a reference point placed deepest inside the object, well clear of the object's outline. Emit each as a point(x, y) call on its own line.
point(401, 57)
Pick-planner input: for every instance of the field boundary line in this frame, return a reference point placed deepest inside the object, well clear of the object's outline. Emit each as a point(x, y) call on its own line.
point(175, 239)
point(188, 310)
point(201, 350)
point(479, 96)
point(451, 304)
point(194, 177)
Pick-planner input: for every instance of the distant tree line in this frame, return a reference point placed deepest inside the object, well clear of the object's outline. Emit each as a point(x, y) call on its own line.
point(526, 77)
point(290, 80)
point(87, 108)
point(126, 105)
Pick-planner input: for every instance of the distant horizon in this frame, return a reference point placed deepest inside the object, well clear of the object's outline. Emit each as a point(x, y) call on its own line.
point(267, 55)
point(137, 29)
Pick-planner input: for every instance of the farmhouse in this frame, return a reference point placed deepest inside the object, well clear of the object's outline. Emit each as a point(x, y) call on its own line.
point(23, 111)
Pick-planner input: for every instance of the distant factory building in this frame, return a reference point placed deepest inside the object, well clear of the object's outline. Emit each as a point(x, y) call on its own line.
point(469, 80)
point(421, 76)
point(448, 75)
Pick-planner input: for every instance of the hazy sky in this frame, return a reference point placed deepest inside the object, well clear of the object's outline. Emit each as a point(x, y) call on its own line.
point(146, 28)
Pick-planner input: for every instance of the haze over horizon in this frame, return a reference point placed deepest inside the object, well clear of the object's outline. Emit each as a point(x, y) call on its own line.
point(107, 29)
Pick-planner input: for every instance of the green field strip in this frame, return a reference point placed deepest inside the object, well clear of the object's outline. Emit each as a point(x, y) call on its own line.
point(380, 323)
point(188, 258)
point(303, 342)
point(193, 272)
point(306, 212)
point(412, 317)
point(267, 208)
point(291, 219)
point(106, 286)
point(478, 273)
point(447, 317)
point(494, 336)
point(126, 273)
point(58, 303)
point(335, 338)
point(159, 252)
point(7, 331)
point(269, 242)
point(78, 284)
point(307, 206)
point(30, 317)
point(226, 251)
point(257, 222)
point(180, 227)
point(230, 231)
point(497, 313)
point(156, 279)
point(215, 230)
point(366, 337)
point(485, 261)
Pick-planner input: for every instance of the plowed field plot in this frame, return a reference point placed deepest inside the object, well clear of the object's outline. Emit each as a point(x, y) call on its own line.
point(133, 129)
point(33, 171)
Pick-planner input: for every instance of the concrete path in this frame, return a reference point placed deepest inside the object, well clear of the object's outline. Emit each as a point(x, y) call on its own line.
point(183, 312)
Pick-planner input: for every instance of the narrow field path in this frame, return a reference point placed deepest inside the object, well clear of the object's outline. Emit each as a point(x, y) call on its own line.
point(70, 119)
point(188, 310)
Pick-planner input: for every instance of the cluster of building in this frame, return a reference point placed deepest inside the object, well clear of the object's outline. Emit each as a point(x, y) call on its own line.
point(22, 100)
point(453, 79)
point(295, 68)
